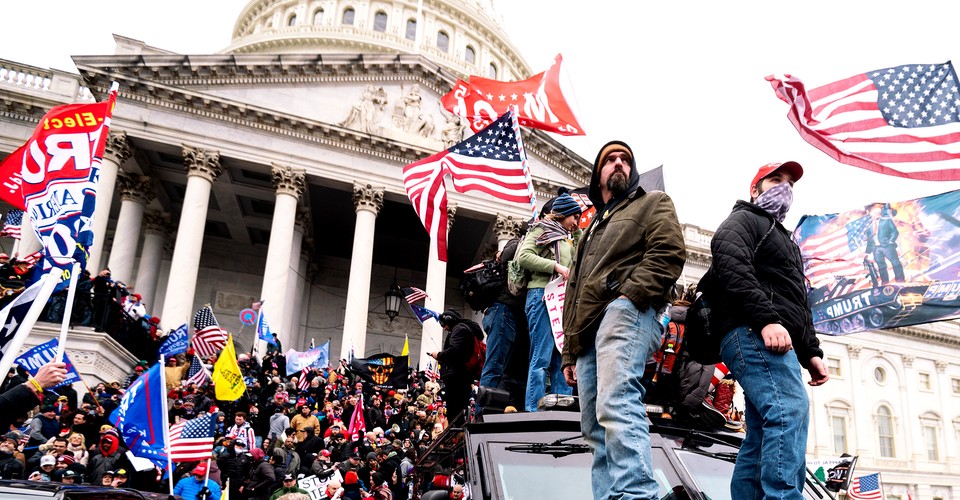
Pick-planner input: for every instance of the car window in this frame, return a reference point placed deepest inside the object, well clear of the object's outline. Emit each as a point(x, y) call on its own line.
point(712, 475)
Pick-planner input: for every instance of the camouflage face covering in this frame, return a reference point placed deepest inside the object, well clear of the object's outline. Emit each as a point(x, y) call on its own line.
point(776, 201)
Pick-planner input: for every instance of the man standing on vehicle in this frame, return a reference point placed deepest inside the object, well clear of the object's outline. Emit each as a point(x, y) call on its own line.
point(626, 264)
point(758, 298)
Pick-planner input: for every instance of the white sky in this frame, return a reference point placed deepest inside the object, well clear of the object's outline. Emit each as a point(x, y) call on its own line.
point(681, 82)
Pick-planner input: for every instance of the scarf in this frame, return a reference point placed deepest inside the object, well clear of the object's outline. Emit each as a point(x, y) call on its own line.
point(776, 201)
point(552, 231)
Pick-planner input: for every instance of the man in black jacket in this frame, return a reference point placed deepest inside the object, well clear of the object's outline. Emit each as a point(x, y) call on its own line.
point(758, 297)
point(457, 348)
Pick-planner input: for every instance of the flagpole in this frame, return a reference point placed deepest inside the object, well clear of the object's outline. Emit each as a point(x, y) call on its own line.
point(523, 159)
point(206, 478)
point(49, 282)
point(67, 311)
point(166, 420)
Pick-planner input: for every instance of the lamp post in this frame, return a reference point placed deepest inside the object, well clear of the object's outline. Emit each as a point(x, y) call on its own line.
point(392, 301)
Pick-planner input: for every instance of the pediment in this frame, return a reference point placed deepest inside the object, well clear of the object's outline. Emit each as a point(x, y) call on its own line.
point(391, 102)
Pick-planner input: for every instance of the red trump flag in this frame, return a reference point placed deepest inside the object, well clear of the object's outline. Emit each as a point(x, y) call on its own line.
point(540, 101)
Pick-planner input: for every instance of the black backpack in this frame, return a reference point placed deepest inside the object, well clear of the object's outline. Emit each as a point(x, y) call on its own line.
point(482, 284)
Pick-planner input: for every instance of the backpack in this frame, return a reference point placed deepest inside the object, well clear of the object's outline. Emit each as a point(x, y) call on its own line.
point(482, 284)
point(518, 276)
point(660, 375)
point(478, 357)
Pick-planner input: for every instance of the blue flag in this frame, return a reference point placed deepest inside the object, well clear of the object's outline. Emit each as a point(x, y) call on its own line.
point(263, 329)
point(33, 359)
point(139, 418)
point(422, 313)
point(176, 343)
point(318, 357)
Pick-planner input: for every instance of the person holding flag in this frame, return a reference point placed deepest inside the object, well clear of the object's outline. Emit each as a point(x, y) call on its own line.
point(20, 399)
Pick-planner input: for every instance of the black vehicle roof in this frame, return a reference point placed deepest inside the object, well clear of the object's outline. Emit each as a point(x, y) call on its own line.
point(16, 489)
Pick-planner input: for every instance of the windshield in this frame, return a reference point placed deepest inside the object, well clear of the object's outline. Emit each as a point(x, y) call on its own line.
point(712, 470)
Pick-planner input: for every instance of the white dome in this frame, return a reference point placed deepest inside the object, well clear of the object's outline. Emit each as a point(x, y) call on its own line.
point(470, 30)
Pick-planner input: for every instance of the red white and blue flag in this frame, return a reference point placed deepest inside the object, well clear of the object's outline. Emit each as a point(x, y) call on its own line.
point(491, 161)
point(901, 121)
point(192, 440)
point(208, 338)
point(12, 223)
point(866, 487)
point(197, 374)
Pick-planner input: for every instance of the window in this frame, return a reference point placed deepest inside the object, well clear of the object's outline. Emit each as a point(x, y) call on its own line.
point(318, 16)
point(470, 55)
point(492, 71)
point(923, 380)
point(880, 375)
point(955, 386)
point(931, 443)
point(292, 20)
point(443, 41)
point(411, 29)
point(348, 16)
point(885, 432)
point(833, 366)
point(838, 423)
point(380, 21)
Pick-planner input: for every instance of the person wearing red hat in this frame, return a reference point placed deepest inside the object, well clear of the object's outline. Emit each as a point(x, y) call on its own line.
point(194, 485)
point(758, 299)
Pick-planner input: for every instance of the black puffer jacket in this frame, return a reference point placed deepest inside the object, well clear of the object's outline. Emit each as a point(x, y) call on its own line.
point(757, 290)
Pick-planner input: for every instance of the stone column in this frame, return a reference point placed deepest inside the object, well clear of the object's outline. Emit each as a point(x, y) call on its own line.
point(290, 184)
point(156, 226)
point(300, 293)
point(116, 152)
point(203, 168)
point(432, 333)
point(291, 323)
point(367, 201)
point(506, 228)
point(136, 192)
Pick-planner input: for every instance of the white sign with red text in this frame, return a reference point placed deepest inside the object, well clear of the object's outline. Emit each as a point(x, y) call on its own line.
point(553, 295)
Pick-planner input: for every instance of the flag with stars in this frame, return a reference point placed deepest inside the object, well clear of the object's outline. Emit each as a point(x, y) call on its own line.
point(413, 294)
point(196, 374)
point(866, 487)
point(12, 315)
point(192, 440)
point(139, 417)
point(492, 161)
point(12, 223)
point(540, 100)
point(902, 121)
point(208, 337)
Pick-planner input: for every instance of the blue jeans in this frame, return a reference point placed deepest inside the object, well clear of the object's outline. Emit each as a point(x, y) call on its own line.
point(501, 331)
point(612, 415)
point(544, 357)
point(771, 462)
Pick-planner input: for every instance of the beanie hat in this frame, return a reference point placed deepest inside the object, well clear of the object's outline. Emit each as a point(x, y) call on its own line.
point(566, 206)
point(350, 478)
point(612, 147)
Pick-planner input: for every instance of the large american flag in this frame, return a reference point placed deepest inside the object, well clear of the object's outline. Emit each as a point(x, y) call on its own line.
point(302, 383)
point(208, 338)
point(491, 161)
point(196, 374)
point(192, 440)
point(836, 254)
point(413, 294)
point(12, 223)
point(902, 121)
point(866, 487)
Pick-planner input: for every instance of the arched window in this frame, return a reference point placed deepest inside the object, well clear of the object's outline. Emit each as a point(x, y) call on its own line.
point(292, 20)
point(348, 15)
point(443, 41)
point(380, 21)
point(492, 71)
point(470, 55)
point(885, 432)
point(411, 29)
point(318, 16)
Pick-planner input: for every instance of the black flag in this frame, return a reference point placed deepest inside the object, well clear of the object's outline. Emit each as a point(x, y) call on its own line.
point(382, 371)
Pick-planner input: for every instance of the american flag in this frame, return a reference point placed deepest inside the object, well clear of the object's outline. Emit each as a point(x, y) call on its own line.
point(196, 374)
point(303, 383)
point(208, 338)
point(32, 258)
point(491, 161)
point(866, 487)
point(832, 254)
point(11, 224)
point(413, 294)
point(902, 121)
point(192, 440)
point(430, 372)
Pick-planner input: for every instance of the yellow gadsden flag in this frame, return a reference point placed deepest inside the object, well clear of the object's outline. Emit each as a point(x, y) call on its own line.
point(227, 379)
point(406, 346)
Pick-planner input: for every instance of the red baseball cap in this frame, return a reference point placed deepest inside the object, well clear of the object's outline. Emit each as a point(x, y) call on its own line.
point(200, 469)
point(791, 167)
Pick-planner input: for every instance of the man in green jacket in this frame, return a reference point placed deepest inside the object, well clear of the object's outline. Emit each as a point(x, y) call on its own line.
point(627, 261)
point(289, 486)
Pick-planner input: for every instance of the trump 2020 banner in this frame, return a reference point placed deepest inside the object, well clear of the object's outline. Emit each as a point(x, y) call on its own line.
point(884, 265)
point(60, 172)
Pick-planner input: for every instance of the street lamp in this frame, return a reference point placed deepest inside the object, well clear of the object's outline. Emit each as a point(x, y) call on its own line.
point(392, 301)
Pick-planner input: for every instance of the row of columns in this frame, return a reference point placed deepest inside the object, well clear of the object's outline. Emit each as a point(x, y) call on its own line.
point(285, 262)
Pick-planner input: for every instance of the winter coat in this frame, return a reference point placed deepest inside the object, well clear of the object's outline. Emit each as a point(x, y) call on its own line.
point(757, 289)
point(16, 402)
point(540, 259)
point(457, 348)
point(633, 247)
point(260, 484)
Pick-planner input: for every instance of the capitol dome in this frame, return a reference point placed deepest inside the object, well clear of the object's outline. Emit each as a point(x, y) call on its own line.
point(464, 36)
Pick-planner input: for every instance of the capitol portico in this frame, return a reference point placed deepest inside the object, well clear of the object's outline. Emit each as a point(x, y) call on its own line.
point(273, 171)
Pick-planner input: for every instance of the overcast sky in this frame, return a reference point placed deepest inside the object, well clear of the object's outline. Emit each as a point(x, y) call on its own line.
point(681, 82)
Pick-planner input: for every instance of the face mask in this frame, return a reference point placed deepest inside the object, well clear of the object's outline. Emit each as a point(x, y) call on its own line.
point(776, 201)
point(238, 449)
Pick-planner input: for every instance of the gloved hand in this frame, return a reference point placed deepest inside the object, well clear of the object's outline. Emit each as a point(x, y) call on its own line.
point(204, 493)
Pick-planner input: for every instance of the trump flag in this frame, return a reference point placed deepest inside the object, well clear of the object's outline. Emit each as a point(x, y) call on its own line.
point(139, 418)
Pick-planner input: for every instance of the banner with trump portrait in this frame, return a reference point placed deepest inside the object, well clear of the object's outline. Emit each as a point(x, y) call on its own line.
point(884, 265)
